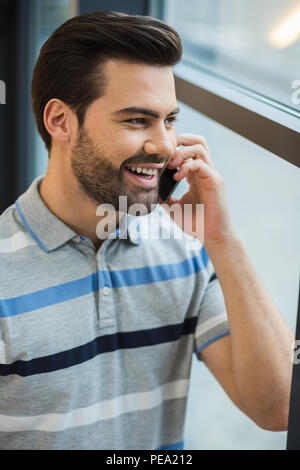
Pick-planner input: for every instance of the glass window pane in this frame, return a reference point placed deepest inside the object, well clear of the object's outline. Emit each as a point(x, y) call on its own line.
point(253, 44)
point(263, 193)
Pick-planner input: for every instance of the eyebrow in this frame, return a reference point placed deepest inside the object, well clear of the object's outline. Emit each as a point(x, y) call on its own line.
point(145, 111)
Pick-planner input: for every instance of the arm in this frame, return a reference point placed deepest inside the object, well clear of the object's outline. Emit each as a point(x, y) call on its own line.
point(253, 363)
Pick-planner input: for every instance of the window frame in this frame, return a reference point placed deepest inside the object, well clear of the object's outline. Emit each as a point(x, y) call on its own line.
point(271, 125)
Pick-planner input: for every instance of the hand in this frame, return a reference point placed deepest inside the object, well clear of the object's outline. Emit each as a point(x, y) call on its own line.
point(206, 187)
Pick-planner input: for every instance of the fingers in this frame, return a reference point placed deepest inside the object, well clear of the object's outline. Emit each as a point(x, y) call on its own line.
point(191, 139)
point(193, 166)
point(195, 152)
point(194, 158)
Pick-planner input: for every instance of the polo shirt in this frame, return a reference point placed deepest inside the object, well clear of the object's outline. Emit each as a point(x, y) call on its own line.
point(96, 347)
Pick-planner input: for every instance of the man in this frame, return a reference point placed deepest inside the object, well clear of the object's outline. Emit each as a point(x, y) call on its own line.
point(98, 327)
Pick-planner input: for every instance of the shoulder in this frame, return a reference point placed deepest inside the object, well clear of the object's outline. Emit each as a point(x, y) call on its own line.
point(14, 255)
point(13, 234)
point(9, 228)
point(7, 220)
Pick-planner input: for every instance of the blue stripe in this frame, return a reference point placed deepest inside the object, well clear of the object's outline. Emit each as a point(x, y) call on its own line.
point(29, 229)
point(93, 282)
point(213, 277)
point(163, 272)
point(176, 446)
point(49, 296)
point(100, 345)
point(212, 340)
point(84, 238)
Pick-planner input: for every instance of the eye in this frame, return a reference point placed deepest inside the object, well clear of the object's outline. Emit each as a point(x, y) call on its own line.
point(142, 121)
point(171, 120)
point(136, 121)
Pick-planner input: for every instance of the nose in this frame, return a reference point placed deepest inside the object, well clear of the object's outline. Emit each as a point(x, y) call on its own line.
point(161, 143)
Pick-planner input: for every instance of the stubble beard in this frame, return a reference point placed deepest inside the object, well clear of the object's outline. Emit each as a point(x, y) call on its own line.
point(102, 181)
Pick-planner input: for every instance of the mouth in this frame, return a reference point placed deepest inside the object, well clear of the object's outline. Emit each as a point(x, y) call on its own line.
point(145, 175)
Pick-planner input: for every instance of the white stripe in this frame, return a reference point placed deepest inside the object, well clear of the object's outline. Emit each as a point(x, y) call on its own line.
point(209, 324)
point(2, 352)
point(105, 409)
point(16, 242)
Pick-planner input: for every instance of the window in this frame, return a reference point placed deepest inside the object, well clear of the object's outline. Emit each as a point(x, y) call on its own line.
point(255, 45)
point(263, 193)
point(239, 85)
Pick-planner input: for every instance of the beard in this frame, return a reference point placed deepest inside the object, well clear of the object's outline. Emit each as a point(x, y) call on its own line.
point(103, 182)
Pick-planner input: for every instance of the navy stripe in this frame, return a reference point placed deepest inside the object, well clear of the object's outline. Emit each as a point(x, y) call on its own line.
point(123, 278)
point(100, 345)
point(213, 277)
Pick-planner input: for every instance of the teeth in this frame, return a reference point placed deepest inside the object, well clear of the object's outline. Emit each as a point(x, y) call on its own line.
point(145, 171)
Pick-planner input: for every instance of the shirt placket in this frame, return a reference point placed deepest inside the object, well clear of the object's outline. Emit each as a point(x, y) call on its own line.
point(105, 289)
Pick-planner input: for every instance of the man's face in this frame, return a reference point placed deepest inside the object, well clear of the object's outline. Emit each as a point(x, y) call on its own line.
point(115, 137)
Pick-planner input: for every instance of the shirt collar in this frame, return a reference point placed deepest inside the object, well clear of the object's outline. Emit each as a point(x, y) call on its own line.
point(47, 229)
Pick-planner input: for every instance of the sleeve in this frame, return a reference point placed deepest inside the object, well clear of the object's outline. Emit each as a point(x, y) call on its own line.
point(212, 321)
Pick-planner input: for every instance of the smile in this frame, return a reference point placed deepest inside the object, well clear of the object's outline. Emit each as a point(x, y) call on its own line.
point(141, 170)
point(141, 175)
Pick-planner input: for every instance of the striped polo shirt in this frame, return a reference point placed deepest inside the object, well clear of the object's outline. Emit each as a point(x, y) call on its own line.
point(96, 347)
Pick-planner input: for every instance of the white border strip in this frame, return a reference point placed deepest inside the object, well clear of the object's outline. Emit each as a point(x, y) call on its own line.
point(16, 242)
point(106, 409)
point(209, 324)
point(2, 352)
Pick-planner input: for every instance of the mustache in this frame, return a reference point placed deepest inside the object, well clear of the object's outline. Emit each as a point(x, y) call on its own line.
point(145, 159)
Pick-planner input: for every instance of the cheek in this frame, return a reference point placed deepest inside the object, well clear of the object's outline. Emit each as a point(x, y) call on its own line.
point(124, 145)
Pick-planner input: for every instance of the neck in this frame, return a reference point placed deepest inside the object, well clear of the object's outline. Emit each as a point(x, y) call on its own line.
point(60, 192)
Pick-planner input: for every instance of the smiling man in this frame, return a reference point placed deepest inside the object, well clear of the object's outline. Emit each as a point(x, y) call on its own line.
point(108, 163)
point(97, 334)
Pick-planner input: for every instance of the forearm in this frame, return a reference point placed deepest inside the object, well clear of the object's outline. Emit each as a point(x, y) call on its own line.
point(261, 342)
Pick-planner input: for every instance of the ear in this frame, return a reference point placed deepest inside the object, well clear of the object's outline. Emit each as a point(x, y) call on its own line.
point(59, 121)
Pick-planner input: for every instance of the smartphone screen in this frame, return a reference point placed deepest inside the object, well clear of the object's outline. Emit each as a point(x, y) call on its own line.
point(167, 184)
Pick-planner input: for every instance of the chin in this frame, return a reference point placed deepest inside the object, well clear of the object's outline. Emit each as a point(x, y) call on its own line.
point(143, 206)
point(141, 202)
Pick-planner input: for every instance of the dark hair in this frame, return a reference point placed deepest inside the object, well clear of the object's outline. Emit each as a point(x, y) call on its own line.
point(69, 64)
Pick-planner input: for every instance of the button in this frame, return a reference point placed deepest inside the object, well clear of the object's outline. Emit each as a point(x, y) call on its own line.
point(105, 291)
point(77, 239)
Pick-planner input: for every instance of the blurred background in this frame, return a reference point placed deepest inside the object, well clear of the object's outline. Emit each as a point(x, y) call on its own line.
point(252, 48)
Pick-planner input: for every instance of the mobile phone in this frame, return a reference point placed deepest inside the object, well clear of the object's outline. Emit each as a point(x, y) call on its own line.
point(167, 184)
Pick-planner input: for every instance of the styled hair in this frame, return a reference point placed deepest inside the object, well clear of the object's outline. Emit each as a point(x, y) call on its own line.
point(69, 66)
